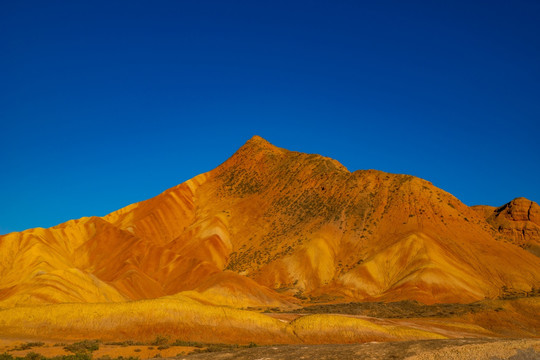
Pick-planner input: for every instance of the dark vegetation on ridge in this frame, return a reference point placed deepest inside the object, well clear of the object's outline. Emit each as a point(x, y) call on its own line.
point(411, 308)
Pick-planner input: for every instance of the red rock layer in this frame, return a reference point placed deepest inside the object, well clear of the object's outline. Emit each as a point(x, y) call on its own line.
point(517, 221)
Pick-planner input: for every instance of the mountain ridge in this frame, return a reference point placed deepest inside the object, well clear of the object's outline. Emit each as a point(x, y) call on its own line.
point(272, 227)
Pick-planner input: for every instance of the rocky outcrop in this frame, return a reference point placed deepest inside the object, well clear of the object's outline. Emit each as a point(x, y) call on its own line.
point(517, 221)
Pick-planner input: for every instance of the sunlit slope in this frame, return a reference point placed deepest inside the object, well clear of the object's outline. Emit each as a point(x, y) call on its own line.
point(180, 318)
point(303, 222)
point(518, 221)
point(188, 320)
point(265, 226)
point(40, 266)
point(146, 250)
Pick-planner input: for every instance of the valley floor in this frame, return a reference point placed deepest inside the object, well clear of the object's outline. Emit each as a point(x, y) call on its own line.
point(452, 349)
point(447, 349)
point(185, 329)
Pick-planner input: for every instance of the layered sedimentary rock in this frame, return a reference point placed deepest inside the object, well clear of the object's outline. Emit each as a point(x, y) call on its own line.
point(518, 221)
point(271, 227)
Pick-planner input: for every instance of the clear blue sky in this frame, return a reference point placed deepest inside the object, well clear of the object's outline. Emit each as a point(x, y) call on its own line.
point(106, 103)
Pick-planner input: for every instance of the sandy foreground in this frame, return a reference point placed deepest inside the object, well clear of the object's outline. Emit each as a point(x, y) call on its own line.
point(452, 349)
point(447, 349)
point(458, 349)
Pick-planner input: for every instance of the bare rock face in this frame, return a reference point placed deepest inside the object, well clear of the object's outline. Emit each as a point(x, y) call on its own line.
point(518, 221)
point(272, 227)
point(520, 209)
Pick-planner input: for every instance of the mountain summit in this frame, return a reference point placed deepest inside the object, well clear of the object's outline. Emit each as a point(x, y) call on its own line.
point(272, 227)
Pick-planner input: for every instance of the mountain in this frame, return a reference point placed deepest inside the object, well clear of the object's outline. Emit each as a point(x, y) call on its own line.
point(276, 228)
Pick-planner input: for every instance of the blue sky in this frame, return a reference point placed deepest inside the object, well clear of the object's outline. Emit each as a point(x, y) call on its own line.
point(106, 103)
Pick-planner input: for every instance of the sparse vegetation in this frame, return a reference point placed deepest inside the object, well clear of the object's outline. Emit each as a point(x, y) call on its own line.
point(34, 356)
point(83, 347)
point(509, 294)
point(400, 309)
point(160, 340)
point(80, 356)
point(125, 343)
point(29, 345)
point(187, 343)
point(389, 350)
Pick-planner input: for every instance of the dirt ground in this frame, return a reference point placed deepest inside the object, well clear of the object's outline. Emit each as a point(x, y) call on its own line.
point(451, 349)
point(477, 349)
point(15, 347)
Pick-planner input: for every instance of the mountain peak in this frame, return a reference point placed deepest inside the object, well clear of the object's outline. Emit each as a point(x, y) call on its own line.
point(252, 153)
point(257, 143)
point(254, 149)
point(258, 139)
point(257, 150)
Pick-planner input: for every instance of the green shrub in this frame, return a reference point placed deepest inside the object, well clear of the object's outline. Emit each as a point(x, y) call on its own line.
point(34, 356)
point(29, 345)
point(160, 340)
point(81, 356)
point(6, 356)
point(124, 343)
point(214, 348)
point(83, 347)
point(187, 343)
